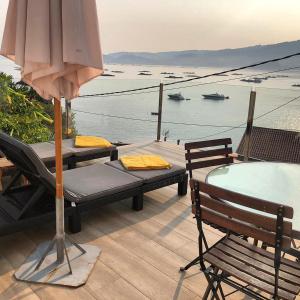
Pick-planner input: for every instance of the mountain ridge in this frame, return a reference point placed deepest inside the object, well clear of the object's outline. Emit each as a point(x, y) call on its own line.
point(210, 58)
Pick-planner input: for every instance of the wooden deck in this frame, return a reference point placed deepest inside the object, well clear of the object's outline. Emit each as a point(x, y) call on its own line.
point(141, 251)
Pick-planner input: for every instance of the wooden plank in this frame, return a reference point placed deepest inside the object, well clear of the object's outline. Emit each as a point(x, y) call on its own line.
point(119, 289)
point(242, 227)
point(209, 163)
point(208, 153)
point(259, 220)
point(294, 265)
point(252, 269)
point(9, 287)
point(251, 202)
point(288, 273)
point(246, 278)
point(143, 276)
point(292, 282)
point(165, 226)
point(210, 143)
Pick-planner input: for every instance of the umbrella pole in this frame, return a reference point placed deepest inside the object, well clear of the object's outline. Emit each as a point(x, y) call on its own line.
point(55, 270)
point(59, 200)
point(60, 237)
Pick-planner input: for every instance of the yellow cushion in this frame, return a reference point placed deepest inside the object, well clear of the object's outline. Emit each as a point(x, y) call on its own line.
point(91, 142)
point(144, 162)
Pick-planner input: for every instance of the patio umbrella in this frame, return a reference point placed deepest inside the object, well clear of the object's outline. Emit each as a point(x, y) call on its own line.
point(57, 45)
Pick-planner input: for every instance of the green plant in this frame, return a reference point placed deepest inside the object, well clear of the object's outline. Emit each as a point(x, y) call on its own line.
point(23, 114)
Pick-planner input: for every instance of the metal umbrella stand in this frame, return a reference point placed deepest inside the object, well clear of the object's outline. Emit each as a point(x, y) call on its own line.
point(55, 67)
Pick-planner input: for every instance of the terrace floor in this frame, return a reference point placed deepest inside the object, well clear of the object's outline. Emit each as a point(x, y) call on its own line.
point(141, 251)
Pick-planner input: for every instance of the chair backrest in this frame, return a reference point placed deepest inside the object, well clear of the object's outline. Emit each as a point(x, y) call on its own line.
point(265, 221)
point(272, 145)
point(26, 160)
point(200, 155)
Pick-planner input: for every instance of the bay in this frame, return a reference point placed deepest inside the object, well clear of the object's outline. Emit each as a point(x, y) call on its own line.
point(127, 117)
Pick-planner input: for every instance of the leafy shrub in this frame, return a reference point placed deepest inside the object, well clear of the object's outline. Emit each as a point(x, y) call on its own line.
point(23, 114)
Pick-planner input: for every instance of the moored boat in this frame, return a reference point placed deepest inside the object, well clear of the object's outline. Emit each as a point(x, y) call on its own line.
point(107, 74)
point(145, 74)
point(215, 96)
point(176, 96)
point(253, 80)
point(174, 76)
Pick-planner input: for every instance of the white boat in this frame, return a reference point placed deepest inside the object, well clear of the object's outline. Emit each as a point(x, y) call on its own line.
point(176, 96)
point(254, 80)
point(215, 96)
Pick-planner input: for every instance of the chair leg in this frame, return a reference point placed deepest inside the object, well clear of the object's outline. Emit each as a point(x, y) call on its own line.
point(71, 164)
point(114, 155)
point(75, 220)
point(138, 202)
point(211, 286)
point(182, 186)
point(192, 263)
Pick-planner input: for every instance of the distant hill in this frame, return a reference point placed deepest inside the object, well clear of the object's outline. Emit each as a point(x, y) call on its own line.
point(210, 58)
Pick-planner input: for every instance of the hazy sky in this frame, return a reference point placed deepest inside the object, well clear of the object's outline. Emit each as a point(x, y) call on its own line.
point(162, 25)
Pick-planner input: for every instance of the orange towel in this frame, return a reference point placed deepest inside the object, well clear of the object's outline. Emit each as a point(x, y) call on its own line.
point(144, 162)
point(91, 142)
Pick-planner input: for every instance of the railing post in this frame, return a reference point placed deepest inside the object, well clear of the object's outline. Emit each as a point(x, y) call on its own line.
point(68, 117)
point(161, 93)
point(249, 125)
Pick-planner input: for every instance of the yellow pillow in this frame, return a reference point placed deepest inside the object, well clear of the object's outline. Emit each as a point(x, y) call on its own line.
point(144, 162)
point(91, 142)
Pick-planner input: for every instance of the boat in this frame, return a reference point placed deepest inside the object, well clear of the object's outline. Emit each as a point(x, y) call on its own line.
point(173, 76)
point(117, 71)
point(215, 96)
point(166, 73)
point(296, 85)
point(189, 73)
point(192, 75)
point(176, 96)
point(145, 74)
point(254, 80)
point(108, 75)
point(153, 113)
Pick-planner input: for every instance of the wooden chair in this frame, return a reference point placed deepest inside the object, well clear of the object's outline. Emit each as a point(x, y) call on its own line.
point(198, 156)
point(233, 260)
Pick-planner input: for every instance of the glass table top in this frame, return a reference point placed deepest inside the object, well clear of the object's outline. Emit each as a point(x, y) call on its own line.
point(276, 182)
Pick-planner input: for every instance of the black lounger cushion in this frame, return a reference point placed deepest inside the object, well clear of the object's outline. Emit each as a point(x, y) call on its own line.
point(46, 151)
point(68, 144)
point(96, 181)
point(149, 176)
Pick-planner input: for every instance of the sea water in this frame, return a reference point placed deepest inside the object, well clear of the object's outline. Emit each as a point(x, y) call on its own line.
point(127, 117)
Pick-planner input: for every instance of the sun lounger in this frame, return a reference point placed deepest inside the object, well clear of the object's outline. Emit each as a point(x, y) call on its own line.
point(154, 179)
point(84, 188)
point(46, 152)
point(71, 154)
point(84, 154)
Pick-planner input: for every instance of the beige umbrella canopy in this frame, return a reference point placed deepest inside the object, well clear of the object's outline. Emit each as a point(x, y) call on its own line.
point(56, 42)
point(57, 45)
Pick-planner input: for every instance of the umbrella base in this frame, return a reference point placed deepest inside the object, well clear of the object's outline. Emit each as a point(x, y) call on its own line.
point(42, 265)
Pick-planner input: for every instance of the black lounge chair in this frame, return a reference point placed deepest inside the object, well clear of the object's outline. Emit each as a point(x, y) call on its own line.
point(84, 188)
